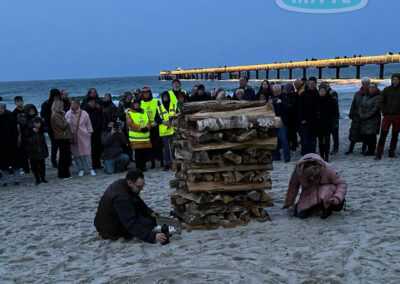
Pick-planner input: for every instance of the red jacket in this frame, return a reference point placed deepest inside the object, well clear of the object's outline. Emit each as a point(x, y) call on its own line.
point(331, 184)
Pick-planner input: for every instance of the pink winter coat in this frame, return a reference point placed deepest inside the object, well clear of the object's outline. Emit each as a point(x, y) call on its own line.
point(331, 184)
point(83, 146)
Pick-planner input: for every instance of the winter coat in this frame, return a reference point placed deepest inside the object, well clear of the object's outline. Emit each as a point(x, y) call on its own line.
point(36, 145)
point(197, 98)
point(293, 113)
point(249, 94)
point(370, 114)
point(335, 96)
point(8, 140)
point(119, 213)
point(390, 101)
point(331, 185)
point(123, 108)
point(67, 105)
point(45, 112)
point(84, 103)
point(137, 128)
point(281, 109)
point(110, 112)
point(355, 128)
point(114, 144)
point(326, 110)
point(60, 126)
point(83, 145)
point(308, 108)
point(97, 119)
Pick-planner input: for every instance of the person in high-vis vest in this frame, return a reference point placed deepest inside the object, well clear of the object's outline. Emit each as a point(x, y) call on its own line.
point(164, 112)
point(176, 90)
point(139, 124)
point(149, 105)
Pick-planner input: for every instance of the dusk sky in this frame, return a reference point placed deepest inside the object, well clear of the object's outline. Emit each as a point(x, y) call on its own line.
point(47, 39)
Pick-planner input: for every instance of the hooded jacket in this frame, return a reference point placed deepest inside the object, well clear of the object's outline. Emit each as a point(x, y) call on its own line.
point(36, 146)
point(123, 107)
point(370, 114)
point(330, 185)
point(390, 99)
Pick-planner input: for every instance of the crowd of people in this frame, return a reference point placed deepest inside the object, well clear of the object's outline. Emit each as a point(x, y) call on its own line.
point(95, 133)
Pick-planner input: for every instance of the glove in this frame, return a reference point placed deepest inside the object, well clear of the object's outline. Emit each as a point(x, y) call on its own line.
point(145, 130)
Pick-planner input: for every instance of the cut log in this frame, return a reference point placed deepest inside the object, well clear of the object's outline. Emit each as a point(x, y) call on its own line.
point(228, 178)
point(219, 105)
point(241, 168)
point(262, 176)
point(238, 176)
point(254, 195)
point(248, 176)
point(202, 157)
point(249, 160)
point(248, 135)
point(236, 159)
point(217, 177)
point(178, 200)
point(208, 177)
point(221, 187)
point(195, 197)
point(255, 211)
point(269, 144)
point(251, 152)
point(253, 115)
point(181, 154)
point(218, 208)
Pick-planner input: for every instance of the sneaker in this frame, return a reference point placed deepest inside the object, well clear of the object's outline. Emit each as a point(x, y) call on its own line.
point(81, 173)
point(92, 172)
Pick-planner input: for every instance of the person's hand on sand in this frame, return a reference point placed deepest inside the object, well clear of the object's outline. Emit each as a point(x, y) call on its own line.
point(161, 238)
point(333, 200)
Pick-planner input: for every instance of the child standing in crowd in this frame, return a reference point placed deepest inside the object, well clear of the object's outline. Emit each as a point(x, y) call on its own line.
point(36, 146)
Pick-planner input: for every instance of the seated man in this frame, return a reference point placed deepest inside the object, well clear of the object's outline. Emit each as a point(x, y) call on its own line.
point(323, 189)
point(114, 142)
point(122, 213)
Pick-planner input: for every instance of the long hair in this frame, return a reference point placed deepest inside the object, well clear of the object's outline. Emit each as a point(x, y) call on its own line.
point(88, 92)
point(57, 106)
point(312, 172)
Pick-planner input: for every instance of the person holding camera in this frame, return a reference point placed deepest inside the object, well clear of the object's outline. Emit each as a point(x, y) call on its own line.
point(114, 141)
point(36, 146)
point(122, 213)
point(139, 124)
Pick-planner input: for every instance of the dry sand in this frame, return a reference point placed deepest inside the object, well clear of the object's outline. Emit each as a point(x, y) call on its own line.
point(47, 235)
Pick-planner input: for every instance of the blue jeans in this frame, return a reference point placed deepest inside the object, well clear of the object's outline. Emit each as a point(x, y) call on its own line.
point(16, 174)
point(167, 151)
point(120, 161)
point(308, 139)
point(83, 161)
point(282, 143)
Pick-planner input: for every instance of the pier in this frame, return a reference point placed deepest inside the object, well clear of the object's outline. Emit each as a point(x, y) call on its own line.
point(236, 71)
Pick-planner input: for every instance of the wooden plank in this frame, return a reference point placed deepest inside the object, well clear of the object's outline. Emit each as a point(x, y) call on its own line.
point(194, 170)
point(221, 187)
point(268, 143)
point(219, 105)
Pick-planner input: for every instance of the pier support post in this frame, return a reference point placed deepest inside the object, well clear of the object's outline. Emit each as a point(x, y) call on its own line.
point(319, 72)
point(206, 76)
point(230, 75)
point(304, 72)
point(381, 71)
point(219, 76)
point(358, 72)
point(257, 74)
point(290, 73)
point(248, 75)
point(201, 76)
point(197, 76)
point(337, 72)
point(278, 73)
point(267, 74)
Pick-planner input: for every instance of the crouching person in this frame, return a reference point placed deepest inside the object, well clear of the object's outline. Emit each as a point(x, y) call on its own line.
point(114, 142)
point(122, 213)
point(323, 189)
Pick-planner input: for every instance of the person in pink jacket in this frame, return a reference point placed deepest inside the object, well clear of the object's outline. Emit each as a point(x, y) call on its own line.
point(323, 189)
point(81, 150)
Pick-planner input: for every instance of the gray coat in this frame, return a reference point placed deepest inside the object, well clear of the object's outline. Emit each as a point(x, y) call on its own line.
point(355, 129)
point(370, 114)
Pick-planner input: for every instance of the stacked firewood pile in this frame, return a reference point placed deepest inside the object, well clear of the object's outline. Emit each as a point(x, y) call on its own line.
point(222, 163)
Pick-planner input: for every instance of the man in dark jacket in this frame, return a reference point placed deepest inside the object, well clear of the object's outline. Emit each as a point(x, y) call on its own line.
point(249, 94)
point(114, 142)
point(390, 108)
point(201, 95)
point(293, 124)
point(45, 113)
point(65, 100)
point(21, 158)
point(8, 145)
point(335, 122)
point(122, 213)
point(281, 105)
point(308, 116)
point(97, 119)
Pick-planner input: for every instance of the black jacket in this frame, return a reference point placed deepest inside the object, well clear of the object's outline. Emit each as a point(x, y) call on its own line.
point(326, 114)
point(114, 144)
point(119, 213)
point(282, 108)
point(249, 94)
point(308, 108)
point(8, 140)
point(97, 118)
point(293, 112)
point(197, 98)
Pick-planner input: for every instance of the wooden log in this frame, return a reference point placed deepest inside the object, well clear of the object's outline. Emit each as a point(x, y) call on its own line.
point(248, 176)
point(241, 168)
point(219, 106)
point(262, 176)
point(221, 187)
point(180, 176)
point(255, 211)
point(254, 196)
point(208, 177)
point(201, 157)
point(251, 152)
point(181, 154)
point(178, 200)
point(249, 160)
point(236, 159)
point(248, 135)
point(228, 177)
point(269, 144)
point(195, 197)
point(254, 113)
point(217, 177)
point(218, 208)
point(238, 176)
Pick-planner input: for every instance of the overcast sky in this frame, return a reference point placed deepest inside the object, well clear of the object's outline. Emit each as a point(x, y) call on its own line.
point(48, 39)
